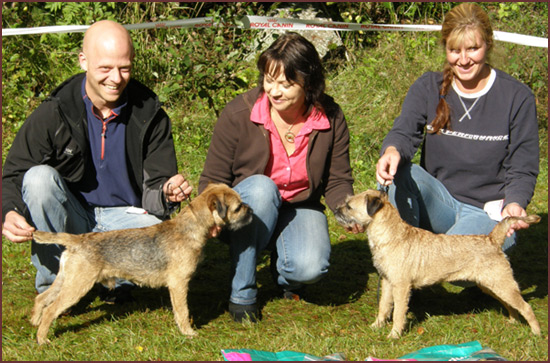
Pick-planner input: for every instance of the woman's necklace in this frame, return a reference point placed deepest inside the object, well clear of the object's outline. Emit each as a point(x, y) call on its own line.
point(289, 136)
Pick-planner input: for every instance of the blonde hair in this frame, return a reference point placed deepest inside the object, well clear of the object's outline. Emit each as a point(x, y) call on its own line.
point(461, 25)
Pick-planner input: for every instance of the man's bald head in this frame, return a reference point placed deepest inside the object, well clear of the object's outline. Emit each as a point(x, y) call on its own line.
point(107, 33)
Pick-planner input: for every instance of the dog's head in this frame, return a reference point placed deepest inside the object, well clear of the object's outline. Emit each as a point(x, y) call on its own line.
point(226, 206)
point(361, 208)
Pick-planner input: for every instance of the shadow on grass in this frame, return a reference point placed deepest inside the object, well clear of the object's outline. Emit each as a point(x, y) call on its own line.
point(346, 282)
point(529, 259)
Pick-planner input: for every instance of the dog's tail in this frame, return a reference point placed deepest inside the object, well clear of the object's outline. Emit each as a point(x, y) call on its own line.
point(65, 239)
point(498, 234)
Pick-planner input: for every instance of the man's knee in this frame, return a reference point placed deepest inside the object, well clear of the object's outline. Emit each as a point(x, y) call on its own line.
point(39, 183)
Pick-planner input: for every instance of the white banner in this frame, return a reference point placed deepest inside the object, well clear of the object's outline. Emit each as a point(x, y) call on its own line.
point(187, 23)
point(264, 22)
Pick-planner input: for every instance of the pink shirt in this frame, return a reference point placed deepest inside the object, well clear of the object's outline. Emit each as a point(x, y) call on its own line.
point(289, 172)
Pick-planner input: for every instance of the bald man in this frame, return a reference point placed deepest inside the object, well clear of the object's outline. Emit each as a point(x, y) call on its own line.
point(96, 155)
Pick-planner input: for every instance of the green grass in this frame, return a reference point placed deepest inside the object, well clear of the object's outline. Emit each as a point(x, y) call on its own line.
point(337, 315)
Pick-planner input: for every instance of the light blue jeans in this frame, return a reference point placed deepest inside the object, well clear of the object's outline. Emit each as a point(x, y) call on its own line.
point(300, 236)
point(54, 208)
point(423, 201)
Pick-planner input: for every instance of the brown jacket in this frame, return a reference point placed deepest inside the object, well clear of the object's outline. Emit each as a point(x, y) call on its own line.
point(240, 148)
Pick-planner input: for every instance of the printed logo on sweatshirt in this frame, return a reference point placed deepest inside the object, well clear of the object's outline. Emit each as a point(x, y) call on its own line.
point(474, 137)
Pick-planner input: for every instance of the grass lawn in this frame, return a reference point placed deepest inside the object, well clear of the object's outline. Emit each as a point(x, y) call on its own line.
point(336, 316)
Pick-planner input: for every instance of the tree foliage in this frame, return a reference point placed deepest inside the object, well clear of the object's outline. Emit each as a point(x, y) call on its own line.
point(206, 67)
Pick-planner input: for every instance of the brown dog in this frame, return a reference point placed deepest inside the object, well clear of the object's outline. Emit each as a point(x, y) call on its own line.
point(407, 257)
point(165, 254)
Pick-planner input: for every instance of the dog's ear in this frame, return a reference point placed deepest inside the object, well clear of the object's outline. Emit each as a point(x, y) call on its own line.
point(218, 209)
point(374, 204)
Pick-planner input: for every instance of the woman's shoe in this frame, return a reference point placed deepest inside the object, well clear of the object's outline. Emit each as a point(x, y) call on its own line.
point(242, 312)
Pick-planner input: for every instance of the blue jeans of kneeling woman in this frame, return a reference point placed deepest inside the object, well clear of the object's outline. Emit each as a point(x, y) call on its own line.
point(423, 201)
point(300, 236)
point(54, 208)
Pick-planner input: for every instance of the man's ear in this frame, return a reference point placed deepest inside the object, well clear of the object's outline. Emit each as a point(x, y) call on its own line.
point(374, 204)
point(83, 61)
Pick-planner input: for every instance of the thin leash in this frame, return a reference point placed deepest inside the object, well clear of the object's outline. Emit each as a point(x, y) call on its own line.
point(187, 199)
point(385, 189)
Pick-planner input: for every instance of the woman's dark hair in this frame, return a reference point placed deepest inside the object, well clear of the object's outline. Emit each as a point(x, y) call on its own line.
point(301, 63)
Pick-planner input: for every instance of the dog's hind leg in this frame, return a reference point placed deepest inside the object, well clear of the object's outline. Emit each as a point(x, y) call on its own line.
point(45, 299)
point(506, 290)
point(178, 296)
point(401, 294)
point(79, 279)
point(512, 313)
point(385, 304)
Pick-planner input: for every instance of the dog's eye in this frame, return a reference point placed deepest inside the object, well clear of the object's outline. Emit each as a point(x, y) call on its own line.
point(238, 208)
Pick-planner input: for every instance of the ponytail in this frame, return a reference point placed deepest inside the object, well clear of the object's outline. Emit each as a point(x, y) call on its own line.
point(443, 113)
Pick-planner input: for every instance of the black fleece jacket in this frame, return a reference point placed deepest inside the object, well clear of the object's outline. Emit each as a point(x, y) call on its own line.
point(56, 134)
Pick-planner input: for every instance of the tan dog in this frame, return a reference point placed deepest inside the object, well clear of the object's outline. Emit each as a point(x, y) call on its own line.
point(165, 254)
point(407, 257)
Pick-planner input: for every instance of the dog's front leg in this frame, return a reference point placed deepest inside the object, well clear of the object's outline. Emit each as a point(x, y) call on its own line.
point(178, 296)
point(385, 304)
point(401, 293)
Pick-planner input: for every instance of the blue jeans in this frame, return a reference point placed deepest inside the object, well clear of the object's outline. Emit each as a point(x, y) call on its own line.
point(300, 236)
point(54, 208)
point(423, 201)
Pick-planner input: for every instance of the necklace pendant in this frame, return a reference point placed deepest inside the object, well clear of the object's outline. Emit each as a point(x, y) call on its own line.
point(289, 137)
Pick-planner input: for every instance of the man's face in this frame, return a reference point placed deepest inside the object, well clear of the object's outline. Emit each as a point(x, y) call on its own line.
point(108, 65)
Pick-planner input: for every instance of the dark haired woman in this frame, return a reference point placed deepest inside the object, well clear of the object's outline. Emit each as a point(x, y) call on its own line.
point(480, 152)
point(281, 146)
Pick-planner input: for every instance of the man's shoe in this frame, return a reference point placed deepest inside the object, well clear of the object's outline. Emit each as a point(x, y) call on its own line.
point(242, 312)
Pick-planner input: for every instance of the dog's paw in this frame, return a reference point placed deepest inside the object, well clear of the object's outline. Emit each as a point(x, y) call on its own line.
point(42, 340)
point(512, 320)
point(190, 333)
point(394, 334)
point(35, 319)
point(378, 323)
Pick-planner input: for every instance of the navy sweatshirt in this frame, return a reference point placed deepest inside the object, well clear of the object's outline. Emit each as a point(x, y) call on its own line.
point(492, 148)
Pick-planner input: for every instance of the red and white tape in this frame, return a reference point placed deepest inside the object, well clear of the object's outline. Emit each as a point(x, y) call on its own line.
point(264, 22)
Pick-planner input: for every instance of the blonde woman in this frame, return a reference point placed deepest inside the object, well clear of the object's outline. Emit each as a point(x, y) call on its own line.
point(478, 129)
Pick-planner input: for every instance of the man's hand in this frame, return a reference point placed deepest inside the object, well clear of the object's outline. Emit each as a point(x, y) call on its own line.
point(177, 189)
point(386, 167)
point(16, 228)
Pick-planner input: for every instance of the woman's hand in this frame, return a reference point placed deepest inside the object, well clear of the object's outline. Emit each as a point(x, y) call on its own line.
point(387, 166)
point(356, 228)
point(514, 210)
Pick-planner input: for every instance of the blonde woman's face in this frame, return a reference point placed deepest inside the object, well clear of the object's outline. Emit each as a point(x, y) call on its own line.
point(467, 60)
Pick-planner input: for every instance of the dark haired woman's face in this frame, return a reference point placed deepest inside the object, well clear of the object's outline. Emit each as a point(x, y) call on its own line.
point(284, 96)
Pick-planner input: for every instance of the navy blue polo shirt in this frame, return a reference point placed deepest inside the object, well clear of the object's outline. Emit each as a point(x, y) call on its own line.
point(109, 185)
